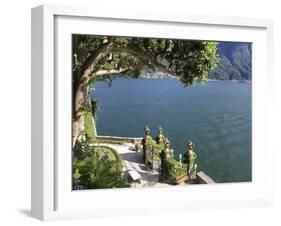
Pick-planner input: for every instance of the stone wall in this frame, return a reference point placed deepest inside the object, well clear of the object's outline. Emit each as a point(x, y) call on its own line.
point(133, 140)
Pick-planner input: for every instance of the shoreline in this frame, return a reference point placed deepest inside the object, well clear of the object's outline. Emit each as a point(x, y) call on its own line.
point(232, 81)
point(208, 80)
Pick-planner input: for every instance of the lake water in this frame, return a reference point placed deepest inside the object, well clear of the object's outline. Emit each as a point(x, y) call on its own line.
point(216, 117)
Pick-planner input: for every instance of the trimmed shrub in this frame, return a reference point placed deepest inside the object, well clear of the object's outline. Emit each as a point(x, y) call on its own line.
point(89, 123)
point(98, 172)
point(171, 169)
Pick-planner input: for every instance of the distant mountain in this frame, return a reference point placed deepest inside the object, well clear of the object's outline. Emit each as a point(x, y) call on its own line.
point(235, 62)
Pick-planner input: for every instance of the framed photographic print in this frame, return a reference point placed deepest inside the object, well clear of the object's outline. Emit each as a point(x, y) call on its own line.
point(137, 112)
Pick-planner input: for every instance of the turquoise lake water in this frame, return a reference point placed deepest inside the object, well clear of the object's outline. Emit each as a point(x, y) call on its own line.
point(216, 117)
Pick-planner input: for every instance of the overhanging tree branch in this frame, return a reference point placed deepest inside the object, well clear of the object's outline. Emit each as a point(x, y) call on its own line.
point(96, 55)
point(102, 73)
point(142, 56)
point(107, 75)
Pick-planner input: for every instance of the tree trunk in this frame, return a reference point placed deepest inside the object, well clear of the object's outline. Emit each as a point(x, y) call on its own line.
point(81, 94)
point(80, 101)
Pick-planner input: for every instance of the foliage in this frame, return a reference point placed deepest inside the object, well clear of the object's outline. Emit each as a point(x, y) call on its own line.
point(152, 147)
point(190, 60)
point(149, 150)
point(90, 127)
point(95, 171)
point(171, 169)
point(86, 149)
point(157, 148)
point(94, 108)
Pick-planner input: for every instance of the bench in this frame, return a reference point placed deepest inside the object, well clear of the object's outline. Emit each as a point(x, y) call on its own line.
point(135, 176)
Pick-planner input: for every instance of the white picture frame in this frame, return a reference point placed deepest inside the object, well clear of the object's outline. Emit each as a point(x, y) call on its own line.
point(52, 197)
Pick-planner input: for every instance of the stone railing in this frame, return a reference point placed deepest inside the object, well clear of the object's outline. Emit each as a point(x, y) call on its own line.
point(133, 140)
point(203, 178)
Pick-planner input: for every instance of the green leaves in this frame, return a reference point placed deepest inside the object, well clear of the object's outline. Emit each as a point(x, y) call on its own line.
point(95, 172)
point(190, 60)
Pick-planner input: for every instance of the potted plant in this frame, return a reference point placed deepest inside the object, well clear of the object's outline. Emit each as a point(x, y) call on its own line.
point(137, 147)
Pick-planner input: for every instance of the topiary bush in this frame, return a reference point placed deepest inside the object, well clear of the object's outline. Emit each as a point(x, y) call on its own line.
point(171, 169)
point(95, 171)
point(157, 148)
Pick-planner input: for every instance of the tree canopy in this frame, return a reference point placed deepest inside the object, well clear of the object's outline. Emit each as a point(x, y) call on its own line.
point(189, 60)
